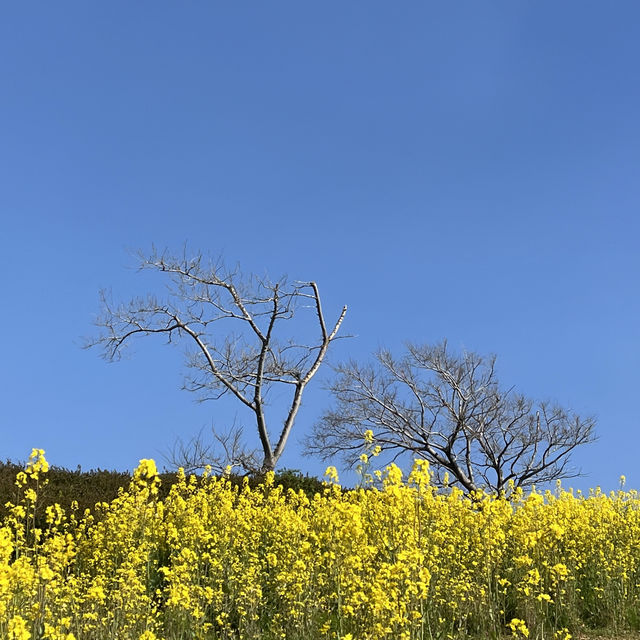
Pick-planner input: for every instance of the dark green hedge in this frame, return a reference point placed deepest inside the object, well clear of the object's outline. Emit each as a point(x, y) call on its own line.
point(90, 487)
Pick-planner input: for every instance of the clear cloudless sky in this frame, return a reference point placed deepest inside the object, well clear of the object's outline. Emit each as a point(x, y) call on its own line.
point(467, 170)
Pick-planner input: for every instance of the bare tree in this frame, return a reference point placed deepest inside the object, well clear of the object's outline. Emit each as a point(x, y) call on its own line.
point(226, 450)
point(450, 410)
point(230, 324)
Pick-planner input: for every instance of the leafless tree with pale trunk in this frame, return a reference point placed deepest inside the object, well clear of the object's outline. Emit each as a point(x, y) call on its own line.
point(232, 326)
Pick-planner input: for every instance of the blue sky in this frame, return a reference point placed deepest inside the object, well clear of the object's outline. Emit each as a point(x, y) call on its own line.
point(454, 169)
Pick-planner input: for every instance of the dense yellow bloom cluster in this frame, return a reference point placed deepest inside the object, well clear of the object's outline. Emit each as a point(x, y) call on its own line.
point(399, 560)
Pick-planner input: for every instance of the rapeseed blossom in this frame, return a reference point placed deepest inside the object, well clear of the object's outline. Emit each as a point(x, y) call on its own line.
point(392, 559)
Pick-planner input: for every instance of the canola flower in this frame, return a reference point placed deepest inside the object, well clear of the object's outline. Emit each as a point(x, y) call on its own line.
point(394, 559)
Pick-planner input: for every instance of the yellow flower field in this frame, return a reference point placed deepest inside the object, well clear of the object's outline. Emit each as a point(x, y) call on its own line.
point(399, 561)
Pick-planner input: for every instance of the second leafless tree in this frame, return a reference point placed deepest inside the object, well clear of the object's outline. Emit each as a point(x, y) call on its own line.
point(232, 327)
point(450, 410)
